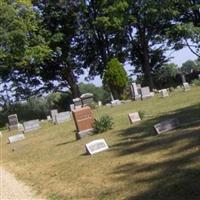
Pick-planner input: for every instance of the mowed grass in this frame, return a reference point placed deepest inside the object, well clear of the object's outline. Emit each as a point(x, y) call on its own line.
point(139, 164)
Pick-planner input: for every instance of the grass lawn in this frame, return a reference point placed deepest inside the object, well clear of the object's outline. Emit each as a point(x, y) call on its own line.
point(139, 164)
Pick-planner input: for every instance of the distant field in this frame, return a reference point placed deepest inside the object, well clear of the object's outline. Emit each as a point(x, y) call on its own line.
point(139, 164)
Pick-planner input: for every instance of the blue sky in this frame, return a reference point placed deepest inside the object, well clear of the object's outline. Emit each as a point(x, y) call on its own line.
point(179, 57)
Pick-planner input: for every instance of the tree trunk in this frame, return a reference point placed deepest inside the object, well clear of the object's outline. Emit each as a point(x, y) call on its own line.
point(145, 53)
point(72, 81)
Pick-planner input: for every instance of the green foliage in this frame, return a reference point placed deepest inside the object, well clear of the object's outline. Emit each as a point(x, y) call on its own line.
point(196, 82)
point(189, 66)
point(103, 124)
point(165, 76)
point(141, 114)
point(115, 77)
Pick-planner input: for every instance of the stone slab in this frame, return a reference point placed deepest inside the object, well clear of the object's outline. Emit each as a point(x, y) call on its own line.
point(83, 119)
point(96, 146)
point(62, 117)
point(31, 125)
point(16, 138)
point(164, 93)
point(134, 117)
point(145, 92)
point(166, 125)
point(53, 115)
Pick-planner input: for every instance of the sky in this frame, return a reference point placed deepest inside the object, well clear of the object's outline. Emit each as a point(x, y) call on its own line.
point(179, 57)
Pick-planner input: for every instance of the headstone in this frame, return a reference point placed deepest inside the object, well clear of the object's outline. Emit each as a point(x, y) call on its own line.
point(115, 102)
point(134, 117)
point(84, 120)
point(166, 125)
point(53, 115)
point(135, 91)
point(49, 118)
point(145, 91)
point(111, 96)
point(13, 122)
point(87, 99)
point(96, 146)
point(99, 103)
point(16, 138)
point(186, 86)
point(183, 78)
point(31, 125)
point(164, 93)
point(77, 103)
point(72, 107)
point(62, 117)
point(20, 127)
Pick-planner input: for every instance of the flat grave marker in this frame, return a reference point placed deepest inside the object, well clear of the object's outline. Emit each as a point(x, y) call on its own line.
point(31, 125)
point(96, 146)
point(16, 138)
point(134, 117)
point(166, 125)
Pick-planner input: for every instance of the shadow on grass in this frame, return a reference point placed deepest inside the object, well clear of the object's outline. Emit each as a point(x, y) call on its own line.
point(175, 175)
point(64, 143)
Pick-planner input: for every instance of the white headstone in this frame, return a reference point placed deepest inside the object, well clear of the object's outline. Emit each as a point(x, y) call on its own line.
point(135, 91)
point(20, 127)
point(186, 86)
point(115, 102)
point(164, 93)
point(31, 125)
point(16, 138)
point(166, 125)
point(134, 117)
point(96, 146)
point(99, 103)
point(72, 107)
point(49, 118)
point(145, 91)
point(53, 114)
point(63, 117)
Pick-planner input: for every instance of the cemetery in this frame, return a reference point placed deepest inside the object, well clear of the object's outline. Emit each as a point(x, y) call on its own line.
point(136, 150)
point(100, 100)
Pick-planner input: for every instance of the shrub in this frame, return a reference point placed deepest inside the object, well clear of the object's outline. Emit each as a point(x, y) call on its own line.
point(196, 82)
point(103, 124)
point(141, 114)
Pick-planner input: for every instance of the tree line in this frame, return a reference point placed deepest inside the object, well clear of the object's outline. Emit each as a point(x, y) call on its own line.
point(46, 45)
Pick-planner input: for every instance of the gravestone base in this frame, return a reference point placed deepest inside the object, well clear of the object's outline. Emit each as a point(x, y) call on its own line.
point(84, 133)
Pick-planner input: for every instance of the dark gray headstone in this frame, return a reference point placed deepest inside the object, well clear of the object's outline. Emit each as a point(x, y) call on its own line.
point(13, 122)
point(31, 125)
point(77, 103)
point(96, 146)
point(63, 117)
point(166, 125)
point(87, 99)
point(16, 138)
